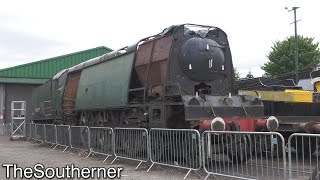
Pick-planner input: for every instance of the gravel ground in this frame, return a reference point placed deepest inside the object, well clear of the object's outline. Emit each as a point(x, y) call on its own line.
point(27, 154)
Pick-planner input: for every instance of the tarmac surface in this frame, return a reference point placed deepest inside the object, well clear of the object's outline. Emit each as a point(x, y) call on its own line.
point(27, 154)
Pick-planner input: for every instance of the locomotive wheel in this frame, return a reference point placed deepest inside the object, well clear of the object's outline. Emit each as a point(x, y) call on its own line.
point(239, 148)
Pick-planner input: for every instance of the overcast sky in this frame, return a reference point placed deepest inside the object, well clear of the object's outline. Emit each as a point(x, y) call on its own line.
point(34, 30)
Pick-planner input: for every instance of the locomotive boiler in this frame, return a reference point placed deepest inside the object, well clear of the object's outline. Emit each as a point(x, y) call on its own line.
point(182, 77)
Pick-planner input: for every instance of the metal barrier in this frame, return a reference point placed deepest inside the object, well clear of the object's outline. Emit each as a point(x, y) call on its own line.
point(33, 131)
point(27, 132)
point(63, 136)
point(5, 129)
point(40, 132)
point(175, 147)
point(101, 141)
point(131, 143)
point(303, 152)
point(244, 155)
point(18, 118)
point(51, 134)
point(79, 137)
point(2, 129)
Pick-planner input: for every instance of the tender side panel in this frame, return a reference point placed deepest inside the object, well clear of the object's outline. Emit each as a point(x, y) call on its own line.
point(159, 58)
point(57, 90)
point(41, 97)
point(105, 85)
point(71, 91)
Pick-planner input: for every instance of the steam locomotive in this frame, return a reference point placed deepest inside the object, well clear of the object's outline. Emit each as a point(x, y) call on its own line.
point(182, 77)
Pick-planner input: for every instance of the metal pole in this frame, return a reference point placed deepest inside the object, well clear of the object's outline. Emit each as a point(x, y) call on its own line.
point(296, 43)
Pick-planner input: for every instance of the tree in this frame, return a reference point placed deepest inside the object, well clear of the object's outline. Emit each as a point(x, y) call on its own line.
point(236, 73)
point(281, 56)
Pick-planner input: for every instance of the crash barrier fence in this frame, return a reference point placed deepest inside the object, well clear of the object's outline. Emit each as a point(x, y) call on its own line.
point(27, 131)
point(243, 155)
point(175, 147)
point(101, 141)
point(40, 132)
point(5, 129)
point(33, 131)
point(131, 143)
point(80, 137)
point(303, 155)
point(63, 137)
point(250, 155)
point(50, 134)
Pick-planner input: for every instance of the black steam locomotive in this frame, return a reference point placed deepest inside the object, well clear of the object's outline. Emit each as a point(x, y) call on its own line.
point(182, 77)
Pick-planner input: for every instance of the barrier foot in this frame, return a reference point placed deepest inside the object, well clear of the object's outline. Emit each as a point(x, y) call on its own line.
point(209, 175)
point(138, 165)
point(52, 145)
point(88, 155)
point(65, 149)
point(187, 174)
point(106, 158)
point(114, 160)
point(55, 146)
point(197, 174)
point(150, 167)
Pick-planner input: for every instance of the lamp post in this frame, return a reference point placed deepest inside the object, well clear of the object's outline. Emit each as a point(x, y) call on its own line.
point(294, 9)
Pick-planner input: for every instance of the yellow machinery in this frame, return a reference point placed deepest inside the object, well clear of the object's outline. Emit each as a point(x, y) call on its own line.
point(288, 95)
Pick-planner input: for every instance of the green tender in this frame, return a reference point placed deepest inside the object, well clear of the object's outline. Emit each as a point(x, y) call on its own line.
point(105, 85)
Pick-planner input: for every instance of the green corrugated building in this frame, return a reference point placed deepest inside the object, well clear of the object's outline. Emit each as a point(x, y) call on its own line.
point(16, 82)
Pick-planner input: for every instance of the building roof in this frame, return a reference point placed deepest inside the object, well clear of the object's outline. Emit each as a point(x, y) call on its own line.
point(41, 71)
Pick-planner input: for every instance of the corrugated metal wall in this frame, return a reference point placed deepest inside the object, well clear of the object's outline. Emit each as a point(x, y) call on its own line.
point(49, 67)
point(17, 82)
